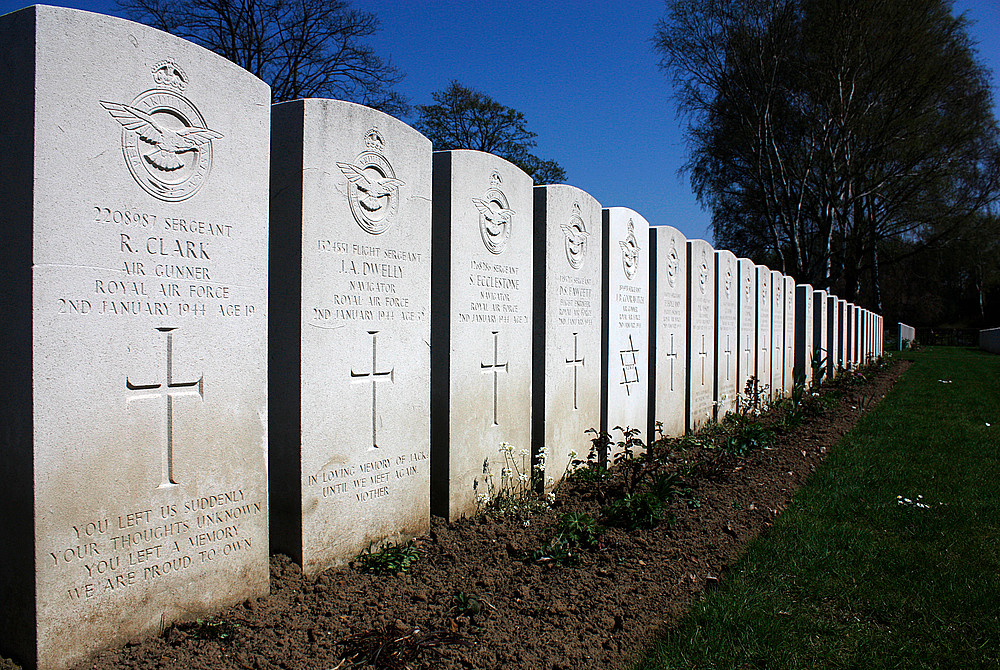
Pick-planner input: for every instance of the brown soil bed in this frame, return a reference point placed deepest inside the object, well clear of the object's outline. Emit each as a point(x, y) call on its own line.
point(599, 614)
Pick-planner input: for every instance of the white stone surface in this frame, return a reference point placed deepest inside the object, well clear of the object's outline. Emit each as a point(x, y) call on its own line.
point(788, 353)
point(726, 335)
point(820, 349)
point(762, 350)
point(351, 258)
point(777, 334)
point(701, 333)
point(481, 324)
point(906, 334)
point(850, 335)
point(747, 333)
point(668, 321)
point(135, 312)
point(625, 386)
point(843, 344)
point(567, 324)
point(803, 333)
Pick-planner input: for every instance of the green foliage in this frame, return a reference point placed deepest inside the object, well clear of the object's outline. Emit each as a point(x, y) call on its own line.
point(749, 435)
point(211, 629)
point(388, 558)
point(463, 118)
point(518, 492)
point(635, 511)
point(467, 604)
point(575, 530)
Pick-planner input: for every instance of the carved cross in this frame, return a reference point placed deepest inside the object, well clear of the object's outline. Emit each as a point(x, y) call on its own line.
point(171, 389)
point(374, 376)
point(494, 367)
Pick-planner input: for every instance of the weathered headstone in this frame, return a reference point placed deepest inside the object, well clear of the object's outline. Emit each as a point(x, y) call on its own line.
point(701, 333)
point(777, 334)
point(843, 343)
point(788, 353)
point(350, 258)
point(134, 301)
point(726, 335)
point(625, 313)
point(747, 332)
point(668, 331)
point(481, 288)
point(819, 351)
point(762, 349)
point(567, 341)
point(803, 333)
point(834, 340)
point(849, 335)
point(906, 334)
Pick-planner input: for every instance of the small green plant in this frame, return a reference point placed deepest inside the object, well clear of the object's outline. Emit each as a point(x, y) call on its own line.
point(211, 629)
point(575, 530)
point(638, 510)
point(519, 491)
point(748, 436)
point(753, 400)
point(819, 363)
point(388, 558)
point(466, 604)
point(580, 529)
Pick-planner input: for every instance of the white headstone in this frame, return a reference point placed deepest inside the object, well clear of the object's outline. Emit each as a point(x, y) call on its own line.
point(135, 176)
point(481, 292)
point(351, 258)
point(747, 333)
point(701, 333)
point(788, 353)
point(668, 331)
point(843, 343)
point(726, 335)
point(624, 386)
point(907, 335)
point(834, 340)
point(803, 333)
point(567, 341)
point(777, 334)
point(762, 349)
point(850, 337)
point(819, 350)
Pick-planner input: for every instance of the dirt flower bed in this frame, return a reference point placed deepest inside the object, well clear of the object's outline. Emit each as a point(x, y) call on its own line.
point(486, 593)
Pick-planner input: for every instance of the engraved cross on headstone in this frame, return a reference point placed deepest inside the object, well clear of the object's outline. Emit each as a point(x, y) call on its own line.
point(728, 352)
point(494, 367)
point(576, 363)
point(172, 389)
point(671, 355)
point(626, 366)
point(375, 376)
point(703, 354)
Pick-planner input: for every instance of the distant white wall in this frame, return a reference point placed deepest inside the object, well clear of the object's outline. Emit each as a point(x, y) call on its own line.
point(906, 334)
point(990, 340)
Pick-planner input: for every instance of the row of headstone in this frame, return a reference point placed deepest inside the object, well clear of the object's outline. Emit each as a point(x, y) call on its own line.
point(905, 335)
point(239, 333)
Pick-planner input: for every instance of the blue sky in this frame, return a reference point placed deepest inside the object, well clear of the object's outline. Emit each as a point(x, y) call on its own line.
point(585, 76)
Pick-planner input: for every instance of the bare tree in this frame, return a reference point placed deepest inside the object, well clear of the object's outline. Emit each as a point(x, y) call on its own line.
point(302, 48)
point(464, 118)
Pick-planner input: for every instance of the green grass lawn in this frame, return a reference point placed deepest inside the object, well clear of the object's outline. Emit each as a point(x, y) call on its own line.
point(853, 576)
